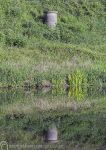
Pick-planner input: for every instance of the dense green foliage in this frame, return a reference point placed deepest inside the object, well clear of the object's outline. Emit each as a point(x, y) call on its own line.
point(79, 22)
point(31, 51)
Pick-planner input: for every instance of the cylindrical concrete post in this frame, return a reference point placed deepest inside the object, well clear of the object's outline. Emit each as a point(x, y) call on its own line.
point(51, 18)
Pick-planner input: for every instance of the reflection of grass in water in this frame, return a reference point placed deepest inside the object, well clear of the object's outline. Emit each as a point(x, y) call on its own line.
point(24, 119)
point(26, 107)
point(78, 79)
point(87, 127)
point(77, 93)
point(29, 106)
point(30, 101)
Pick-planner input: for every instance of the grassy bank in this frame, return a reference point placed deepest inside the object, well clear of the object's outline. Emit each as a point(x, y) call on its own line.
point(30, 52)
point(24, 67)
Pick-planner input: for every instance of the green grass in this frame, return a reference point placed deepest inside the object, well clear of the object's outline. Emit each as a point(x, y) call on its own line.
point(30, 51)
point(33, 55)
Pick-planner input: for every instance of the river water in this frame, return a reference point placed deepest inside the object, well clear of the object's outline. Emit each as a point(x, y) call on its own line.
point(76, 119)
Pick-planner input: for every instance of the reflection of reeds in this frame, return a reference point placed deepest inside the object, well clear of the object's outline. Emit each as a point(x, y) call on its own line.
point(29, 101)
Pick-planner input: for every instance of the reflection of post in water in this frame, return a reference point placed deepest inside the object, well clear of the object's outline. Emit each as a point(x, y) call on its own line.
point(51, 134)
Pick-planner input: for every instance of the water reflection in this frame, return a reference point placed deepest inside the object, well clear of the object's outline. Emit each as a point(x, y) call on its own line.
point(27, 101)
point(37, 116)
point(51, 134)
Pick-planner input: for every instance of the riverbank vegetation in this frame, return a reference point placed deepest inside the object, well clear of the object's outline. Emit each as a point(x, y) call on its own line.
point(30, 52)
point(66, 65)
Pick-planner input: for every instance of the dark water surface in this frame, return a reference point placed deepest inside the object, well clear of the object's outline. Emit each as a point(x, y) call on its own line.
point(53, 119)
